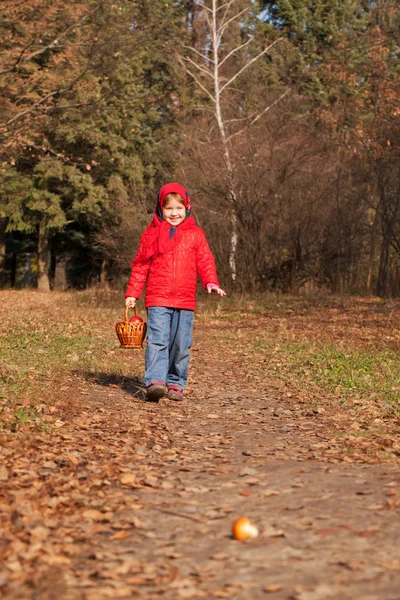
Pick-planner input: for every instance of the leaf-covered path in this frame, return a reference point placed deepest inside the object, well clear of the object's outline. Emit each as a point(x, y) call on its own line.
point(126, 499)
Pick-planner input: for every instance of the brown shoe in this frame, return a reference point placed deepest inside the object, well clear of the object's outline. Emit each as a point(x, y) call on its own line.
point(155, 391)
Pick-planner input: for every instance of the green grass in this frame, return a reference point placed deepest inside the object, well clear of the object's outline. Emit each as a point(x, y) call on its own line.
point(28, 356)
point(72, 335)
point(345, 372)
point(38, 355)
point(357, 370)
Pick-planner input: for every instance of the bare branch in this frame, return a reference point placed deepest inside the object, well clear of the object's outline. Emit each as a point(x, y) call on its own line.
point(227, 5)
point(51, 45)
point(207, 16)
point(202, 5)
point(40, 102)
point(66, 106)
point(269, 107)
point(31, 108)
point(232, 79)
point(59, 155)
point(209, 94)
point(206, 58)
point(236, 120)
point(14, 6)
point(259, 115)
point(235, 50)
point(223, 26)
point(202, 69)
point(18, 59)
point(54, 43)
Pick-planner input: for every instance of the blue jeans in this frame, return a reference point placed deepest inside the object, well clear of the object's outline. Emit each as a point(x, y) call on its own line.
point(169, 338)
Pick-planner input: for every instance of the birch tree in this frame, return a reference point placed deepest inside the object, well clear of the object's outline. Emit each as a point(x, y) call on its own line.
point(213, 69)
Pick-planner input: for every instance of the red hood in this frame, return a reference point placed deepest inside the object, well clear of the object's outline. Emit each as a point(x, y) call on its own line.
point(174, 188)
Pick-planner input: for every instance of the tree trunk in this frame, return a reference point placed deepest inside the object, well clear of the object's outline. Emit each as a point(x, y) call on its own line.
point(13, 274)
point(3, 225)
point(43, 284)
point(382, 283)
point(225, 144)
point(372, 248)
point(233, 246)
point(60, 275)
point(103, 274)
point(339, 280)
point(190, 11)
point(28, 271)
point(209, 62)
point(53, 262)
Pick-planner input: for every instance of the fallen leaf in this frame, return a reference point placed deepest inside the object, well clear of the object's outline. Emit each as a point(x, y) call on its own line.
point(273, 532)
point(228, 591)
point(270, 589)
point(175, 555)
point(136, 580)
point(247, 471)
point(391, 564)
point(3, 473)
point(39, 532)
point(93, 514)
point(121, 535)
point(268, 493)
point(150, 481)
point(375, 507)
point(352, 565)
point(129, 479)
point(220, 556)
point(328, 530)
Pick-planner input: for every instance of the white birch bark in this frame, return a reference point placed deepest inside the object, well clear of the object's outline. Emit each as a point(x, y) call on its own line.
point(218, 21)
point(222, 131)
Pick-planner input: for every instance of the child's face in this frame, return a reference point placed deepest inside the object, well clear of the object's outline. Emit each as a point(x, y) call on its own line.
point(174, 212)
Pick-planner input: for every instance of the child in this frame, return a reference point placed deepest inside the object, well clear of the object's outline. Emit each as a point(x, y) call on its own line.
point(172, 250)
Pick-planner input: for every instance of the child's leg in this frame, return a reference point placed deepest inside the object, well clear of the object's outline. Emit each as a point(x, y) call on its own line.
point(180, 343)
point(158, 339)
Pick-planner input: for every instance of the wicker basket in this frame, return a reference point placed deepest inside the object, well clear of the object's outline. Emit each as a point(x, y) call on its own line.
point(131, 335)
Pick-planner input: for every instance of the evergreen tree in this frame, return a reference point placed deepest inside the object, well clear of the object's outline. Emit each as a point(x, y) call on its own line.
point(104, 137)
point(315, 30)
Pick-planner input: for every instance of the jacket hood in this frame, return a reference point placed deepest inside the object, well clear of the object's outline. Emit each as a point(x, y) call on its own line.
point(173, 188)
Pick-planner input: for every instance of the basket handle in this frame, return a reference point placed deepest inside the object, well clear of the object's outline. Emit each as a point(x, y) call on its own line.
point(126, 316)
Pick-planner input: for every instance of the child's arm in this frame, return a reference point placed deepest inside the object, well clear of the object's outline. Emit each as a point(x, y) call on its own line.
point(213, 287)
point(137, 280)
point(205, 264)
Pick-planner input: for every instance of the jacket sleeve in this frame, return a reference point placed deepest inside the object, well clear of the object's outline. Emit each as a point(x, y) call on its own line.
point(205, 262)
point(140, 270)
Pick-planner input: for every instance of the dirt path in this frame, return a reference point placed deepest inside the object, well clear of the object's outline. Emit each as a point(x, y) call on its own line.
point(132, 499)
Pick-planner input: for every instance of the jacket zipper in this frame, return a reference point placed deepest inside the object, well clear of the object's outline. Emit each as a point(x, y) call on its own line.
point(174, 286)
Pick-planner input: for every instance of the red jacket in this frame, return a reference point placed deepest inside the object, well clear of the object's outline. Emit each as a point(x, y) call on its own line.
point(171, 276)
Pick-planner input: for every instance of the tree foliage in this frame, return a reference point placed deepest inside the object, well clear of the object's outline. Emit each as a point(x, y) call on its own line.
point(104, 102)
point(91, 98)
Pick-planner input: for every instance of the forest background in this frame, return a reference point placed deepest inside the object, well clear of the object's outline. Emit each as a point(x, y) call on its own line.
point(281, 119)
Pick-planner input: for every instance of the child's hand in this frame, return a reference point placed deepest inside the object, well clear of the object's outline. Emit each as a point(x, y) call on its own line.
point(130, 302)
point(213, 287)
